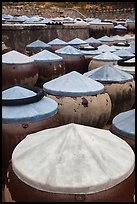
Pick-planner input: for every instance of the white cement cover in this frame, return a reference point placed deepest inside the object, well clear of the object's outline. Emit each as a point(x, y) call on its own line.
point(77, 41)
point(73, 159)
point(106, 48)
point(57, 42)
point(124, 123)
point(69, 50)
point(106, 39)
point(73, 84)
point(92, 40)
point(121, 27)
point(33, 112)
point(46, 56)
point(124, 53)
point(107, 56)
point(109, 74)
point(37, 44)
point(15, 57)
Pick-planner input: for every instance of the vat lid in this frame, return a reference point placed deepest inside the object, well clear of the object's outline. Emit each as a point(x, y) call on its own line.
point(130, 60)
point(105, 39)
point(33, 112)
point(77, 41)
point(124, 53)
point(129, 69)
point(118, 38)
point(57, 42)
point(73, 159)
point(105, 48)
point(92, 40)
point(109, 74)
point(91, 52)
point(121, 27)
point(73, 84)
point(15, 57)
point(124, 123)
point(107, 56)
point(46, 20)
point(37, 44)
point(129, 37)
point(130, 21)
point(46, 56)
point(69, 50)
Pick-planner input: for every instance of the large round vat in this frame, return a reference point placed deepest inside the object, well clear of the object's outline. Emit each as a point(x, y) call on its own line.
point(37, 46)
point(57, 44)
point(118, 84)
point(18, 68)
point(81, 100)
point(102, 59)
point(24, 111)
point(123, 125)
point(49, 65)
point(73, 163)
point(73, 58)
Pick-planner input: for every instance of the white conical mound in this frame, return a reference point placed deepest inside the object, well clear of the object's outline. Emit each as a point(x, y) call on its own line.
point(73, 159)
point(15, 57)
point(73, 84)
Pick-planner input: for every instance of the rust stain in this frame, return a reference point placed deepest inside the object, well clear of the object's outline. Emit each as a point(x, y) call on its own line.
point(84, 102)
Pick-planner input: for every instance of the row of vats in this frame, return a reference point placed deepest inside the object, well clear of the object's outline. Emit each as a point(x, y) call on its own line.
point(61, 97)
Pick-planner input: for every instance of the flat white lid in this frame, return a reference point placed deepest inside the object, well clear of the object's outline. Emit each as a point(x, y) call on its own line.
point(73, 159)
point(33, 112)
point(15, 57)
point(124, 123)
point(73, 84)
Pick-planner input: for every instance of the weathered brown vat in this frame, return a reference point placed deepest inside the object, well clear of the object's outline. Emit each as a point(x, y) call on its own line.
point(57, 44)
point(49, 65)
point(73, 58)
point(102, 59)
point(118, 84)
point(80, 99)
point(18, 68)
